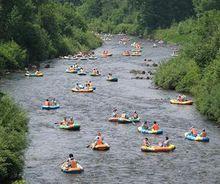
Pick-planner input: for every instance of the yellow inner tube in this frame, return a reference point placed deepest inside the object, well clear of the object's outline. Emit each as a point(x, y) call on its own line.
point(82, 90)
point(158, 148)
point(100, 147)
point(187, 102)
point(70, 169)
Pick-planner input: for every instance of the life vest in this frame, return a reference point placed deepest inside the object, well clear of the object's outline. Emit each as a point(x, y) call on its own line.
point(73, 164)
point(203, 134)
point(70, 122)
point(155, 127)
point(64, 122)
point(99, 141)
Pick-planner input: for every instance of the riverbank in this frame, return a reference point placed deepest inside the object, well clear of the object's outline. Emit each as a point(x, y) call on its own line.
point(196, 68)
point(13, 139)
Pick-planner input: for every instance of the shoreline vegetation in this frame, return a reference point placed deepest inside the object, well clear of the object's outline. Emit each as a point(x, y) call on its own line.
point(13, 140)
point(196, 69)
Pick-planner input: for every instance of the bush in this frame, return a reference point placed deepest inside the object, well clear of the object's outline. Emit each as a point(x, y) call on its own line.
point(197, 69)
point(13, 129)
point(12, 56)
point(208, 91)
point(37, 42)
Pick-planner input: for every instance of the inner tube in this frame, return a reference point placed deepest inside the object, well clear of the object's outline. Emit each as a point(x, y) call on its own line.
point(191, 137)
point(113, 80)
point(92, 58)
point(81, 73)
point(52, 107)
point(145, 131)
point(34, 75)
point(71, 71)
point(113, 119)
point(95, 74)
point(82, 90)
point(136, 50)
point(171, 147)
point(126, 54)
point(124, 120)
point(135, 120)
point(106, 55)
point(187, 102)
point(68, 170)
point(101, 147)
point(75, 126)
point(136, 54)
point(83, 58)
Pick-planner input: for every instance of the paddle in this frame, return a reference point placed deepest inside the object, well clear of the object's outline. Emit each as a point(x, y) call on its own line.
point(133, 123)
point(90, 145)
point(61, 163)
point(52, 123)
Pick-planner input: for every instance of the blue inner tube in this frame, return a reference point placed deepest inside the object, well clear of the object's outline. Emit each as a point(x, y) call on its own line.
point(191, 137)
point(145, 131)
point(113, 80)
point(50, 107)
point(79, 73)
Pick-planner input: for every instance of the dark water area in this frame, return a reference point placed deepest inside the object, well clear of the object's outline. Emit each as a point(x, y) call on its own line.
point(190, 162)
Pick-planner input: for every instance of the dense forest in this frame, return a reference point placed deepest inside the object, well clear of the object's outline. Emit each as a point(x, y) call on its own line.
point(32, 31)
point(134, 17)
point(35, 30)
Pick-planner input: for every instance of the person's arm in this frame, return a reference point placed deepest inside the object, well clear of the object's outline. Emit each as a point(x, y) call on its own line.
point(96, 138)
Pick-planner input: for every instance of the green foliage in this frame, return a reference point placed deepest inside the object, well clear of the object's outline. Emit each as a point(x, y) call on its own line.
point(19, 182)
point(36, 41)
point(206, 5)
point(11, 55)
point(197, 69)
point(66, 29)
point(208, 91)
point(44, 29)
point(91, 8)
point(119, 16)
point(13, 129)
point(180, 74)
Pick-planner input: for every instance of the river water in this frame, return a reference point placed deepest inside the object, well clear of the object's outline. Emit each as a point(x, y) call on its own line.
point(191, 162)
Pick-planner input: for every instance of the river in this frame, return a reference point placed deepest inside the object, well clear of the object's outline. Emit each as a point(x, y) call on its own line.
point(190, 162)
